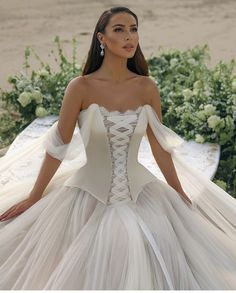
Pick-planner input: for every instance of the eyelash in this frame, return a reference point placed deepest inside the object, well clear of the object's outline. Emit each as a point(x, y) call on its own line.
point(115, 30)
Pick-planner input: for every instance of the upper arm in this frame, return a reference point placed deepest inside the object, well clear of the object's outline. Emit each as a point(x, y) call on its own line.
point(70, 108)
point(153, 95)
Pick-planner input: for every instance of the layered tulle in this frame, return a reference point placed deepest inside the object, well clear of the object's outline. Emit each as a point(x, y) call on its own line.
point(216, 205)
point(69, 240)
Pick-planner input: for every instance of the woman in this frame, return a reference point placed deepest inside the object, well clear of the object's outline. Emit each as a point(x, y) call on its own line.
point(109, 223)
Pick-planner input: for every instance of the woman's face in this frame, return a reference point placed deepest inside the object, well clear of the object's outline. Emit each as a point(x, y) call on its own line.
point(120, 31)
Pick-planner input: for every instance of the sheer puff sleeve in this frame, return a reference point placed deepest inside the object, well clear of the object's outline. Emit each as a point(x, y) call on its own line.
point(55, 147)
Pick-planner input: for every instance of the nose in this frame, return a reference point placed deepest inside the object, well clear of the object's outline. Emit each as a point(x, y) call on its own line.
point(128, 36)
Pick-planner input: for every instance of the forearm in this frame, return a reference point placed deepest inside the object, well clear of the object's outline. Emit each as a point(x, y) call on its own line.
point(167, 167)
point(47, 171)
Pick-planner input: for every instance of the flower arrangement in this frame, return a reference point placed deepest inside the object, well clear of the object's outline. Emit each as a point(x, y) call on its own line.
point(200, 103)
point(37, 93)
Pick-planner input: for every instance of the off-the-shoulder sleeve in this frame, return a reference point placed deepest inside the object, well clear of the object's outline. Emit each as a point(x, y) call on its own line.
point(55, 147)
point(208, 199)
point(167, 138)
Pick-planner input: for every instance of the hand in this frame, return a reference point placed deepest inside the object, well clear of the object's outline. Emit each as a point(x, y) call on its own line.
point(18, 208)
point(185, 197)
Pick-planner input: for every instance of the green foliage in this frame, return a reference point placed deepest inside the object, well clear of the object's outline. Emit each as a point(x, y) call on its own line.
point(200, 103)
point(36, 94)
point(197, 102)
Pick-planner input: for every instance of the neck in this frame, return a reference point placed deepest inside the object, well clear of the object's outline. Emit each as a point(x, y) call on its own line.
point(114, 68)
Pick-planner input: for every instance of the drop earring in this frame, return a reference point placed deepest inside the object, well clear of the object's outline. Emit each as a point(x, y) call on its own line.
point(102, 52)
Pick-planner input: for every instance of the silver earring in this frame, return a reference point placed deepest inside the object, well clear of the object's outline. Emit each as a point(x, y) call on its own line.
point(102, 52)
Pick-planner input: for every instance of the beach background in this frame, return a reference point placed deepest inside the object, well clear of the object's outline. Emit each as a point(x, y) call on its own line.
point(165, 24)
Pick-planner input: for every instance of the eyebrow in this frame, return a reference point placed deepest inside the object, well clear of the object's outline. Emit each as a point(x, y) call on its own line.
point(123, 24)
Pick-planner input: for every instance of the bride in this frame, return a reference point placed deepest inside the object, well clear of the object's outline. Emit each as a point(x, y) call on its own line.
point(103, 221)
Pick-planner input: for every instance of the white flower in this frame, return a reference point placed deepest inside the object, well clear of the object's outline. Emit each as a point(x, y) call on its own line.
point(173, 62)
point(207, 93)
point(198, 84)
point(37, 96)
point(11, 79)
point(179, 110)
point(22, 84)
point(234, 112)
point(234, 86)
point(195, 92)
point(213, 121)
point(40, 112)
point(43, 73)
point(216, 75)
point(234, 99)
point(24, 99)
point(229, 122)
point(77, 66)
point(187, 93)
point(201, 115)
point(209, 109)
point(199, 138)
point(192, 61)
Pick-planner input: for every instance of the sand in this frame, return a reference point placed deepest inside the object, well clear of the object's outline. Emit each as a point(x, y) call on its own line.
point(178, 24)
point(167, 24)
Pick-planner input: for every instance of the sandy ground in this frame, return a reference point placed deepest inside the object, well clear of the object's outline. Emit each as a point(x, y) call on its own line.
point(178, 24)
point(168, 23)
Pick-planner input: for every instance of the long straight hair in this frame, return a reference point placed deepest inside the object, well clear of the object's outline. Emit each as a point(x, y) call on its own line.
point(94, 60)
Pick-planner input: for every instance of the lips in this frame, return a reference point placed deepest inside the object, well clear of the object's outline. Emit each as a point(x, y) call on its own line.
point(128, 46)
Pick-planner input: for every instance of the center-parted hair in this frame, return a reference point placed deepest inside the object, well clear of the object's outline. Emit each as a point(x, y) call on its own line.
point(136, 64)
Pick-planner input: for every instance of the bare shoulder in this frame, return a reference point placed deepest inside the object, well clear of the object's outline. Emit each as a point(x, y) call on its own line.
point(74, 93)
point(70, 108)
point(151, 89)
point(152, 94)
point(77, 87)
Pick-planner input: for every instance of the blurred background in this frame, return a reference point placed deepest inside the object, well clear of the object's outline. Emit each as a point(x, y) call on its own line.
point(167, 23)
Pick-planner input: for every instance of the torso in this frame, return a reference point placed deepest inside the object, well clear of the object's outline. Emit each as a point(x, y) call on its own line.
point(129, 94)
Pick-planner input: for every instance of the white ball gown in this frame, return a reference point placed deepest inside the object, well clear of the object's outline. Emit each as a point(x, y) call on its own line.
point(105, 222)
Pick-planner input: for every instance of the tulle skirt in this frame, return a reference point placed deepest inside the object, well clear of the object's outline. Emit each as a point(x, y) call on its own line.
point(69, 240)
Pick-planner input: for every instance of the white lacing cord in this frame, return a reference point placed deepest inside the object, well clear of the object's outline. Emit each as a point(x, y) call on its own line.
point(120, 131)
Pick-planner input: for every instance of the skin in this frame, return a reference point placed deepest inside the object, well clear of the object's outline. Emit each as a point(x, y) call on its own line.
point(113, 76)
point(114, 66)
point(129, 91)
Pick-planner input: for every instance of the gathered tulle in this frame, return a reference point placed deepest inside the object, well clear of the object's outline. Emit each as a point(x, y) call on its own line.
point(216, 205)
point(71, 240)
point(87, 245)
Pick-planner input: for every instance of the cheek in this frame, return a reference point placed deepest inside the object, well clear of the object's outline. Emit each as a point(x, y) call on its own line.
point(116, 39)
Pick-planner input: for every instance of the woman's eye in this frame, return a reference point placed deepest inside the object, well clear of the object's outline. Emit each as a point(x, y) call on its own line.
point(118, 29)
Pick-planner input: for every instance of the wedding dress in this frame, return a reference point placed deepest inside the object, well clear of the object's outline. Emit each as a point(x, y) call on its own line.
point(106, 222)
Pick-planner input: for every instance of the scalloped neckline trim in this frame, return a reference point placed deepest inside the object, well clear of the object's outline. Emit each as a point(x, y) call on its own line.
point(104, 109)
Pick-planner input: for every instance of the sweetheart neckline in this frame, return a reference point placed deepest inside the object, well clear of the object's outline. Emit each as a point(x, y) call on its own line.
point(114, 111)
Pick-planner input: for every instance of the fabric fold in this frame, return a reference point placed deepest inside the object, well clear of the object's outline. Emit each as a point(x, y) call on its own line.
point(54, 145)
point(208, 199)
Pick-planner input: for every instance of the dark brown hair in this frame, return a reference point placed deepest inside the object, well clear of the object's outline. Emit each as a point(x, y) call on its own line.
point(94, 60)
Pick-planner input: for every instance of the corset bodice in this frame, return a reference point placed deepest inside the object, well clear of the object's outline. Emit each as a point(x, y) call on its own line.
point(111, 139)
point(120, 127)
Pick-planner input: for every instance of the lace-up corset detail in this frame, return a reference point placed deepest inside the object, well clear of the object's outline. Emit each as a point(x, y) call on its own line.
point(120, 127)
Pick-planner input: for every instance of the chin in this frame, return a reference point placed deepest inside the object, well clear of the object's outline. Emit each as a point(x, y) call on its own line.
point(124, 54)
point(128, 54)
